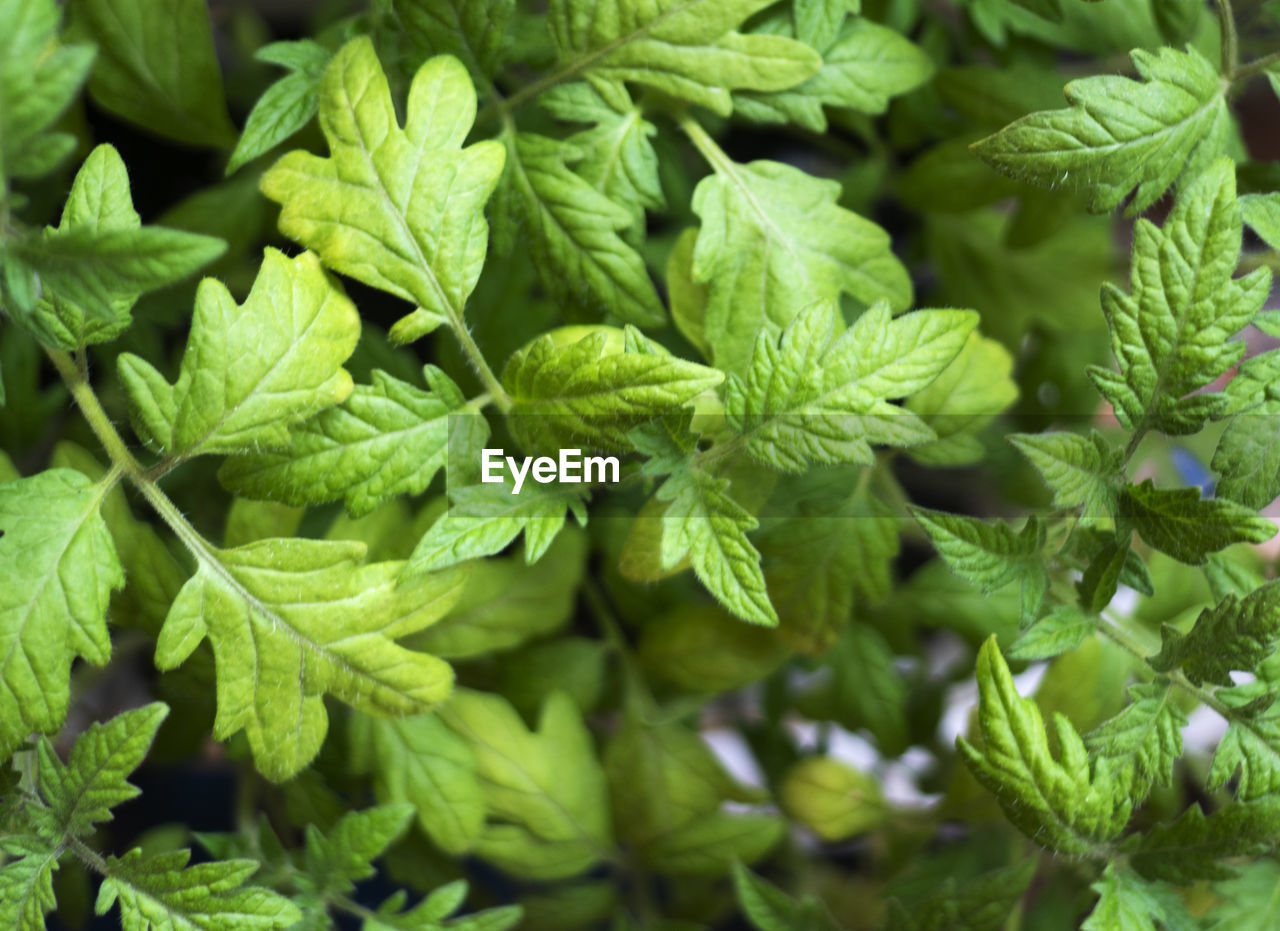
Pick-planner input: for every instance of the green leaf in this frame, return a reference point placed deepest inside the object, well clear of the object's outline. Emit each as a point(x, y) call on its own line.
point(1062, 629)
point(1179, 522)
point(1171, 332)
point(702, 522)
point(249, 370)
point(398, 209)
point(162, 893)
point(1144, 740)
point(702, 648)
point(339, 857)
point(545, 792)
point(832, 799)
point(615, 156)
point(1061, 803)
point(472, 30)
point(1237, 633)
point(865, 690)
point(100, 259)
point(862, 69)
point(59, 565)
point(39, 79)
point(156, 66)
point(1190, 848)
point(1251, 745)
point(26, 882)
point(287, 105)
point(82, 792)
point(768, 908)
point(420, 761)
point(291, 620)
point(1120, 134)
point(574, 227)
point(684, 48)
point(1130, 903)
point(1082, 472)
point(817, 395)
point(832, 555)
point(668, 789)
point(774, 240)
point(586, 393)
point(505, 601)
point(387, 439)
point(483, 519)
point(1262, 212)
point(990, 555)
point(962, 400)
point(983, 903)
point(1250, 902)
point(1247, 459)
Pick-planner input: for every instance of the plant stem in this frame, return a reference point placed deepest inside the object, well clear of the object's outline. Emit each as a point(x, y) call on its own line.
point(97, 418)
point(707, 147)
point(491, 383)
point(1257, 66)
point(1230, 42)
point(1113, 632)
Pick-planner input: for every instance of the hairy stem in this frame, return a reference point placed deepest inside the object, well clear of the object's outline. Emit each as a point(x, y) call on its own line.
point(97, 418)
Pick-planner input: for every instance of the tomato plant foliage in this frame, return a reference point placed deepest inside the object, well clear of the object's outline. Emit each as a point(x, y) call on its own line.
point(835, 286)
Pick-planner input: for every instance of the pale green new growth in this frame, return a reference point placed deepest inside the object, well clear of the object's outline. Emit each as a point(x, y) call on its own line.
point(702, 522)
point(774, 240)
point(420, 761)
point(250, 370)
point(483, 519)
point(863, 67)
point(585, 394)
point(685, 48)
point(964, 398)
point(1120, 134)
point(59, 566)
point(1062, 803)
point(545, 795)
point(387, 439)
point(676, 790)
point(291, 620)
point(822, 395)
point(399, 209)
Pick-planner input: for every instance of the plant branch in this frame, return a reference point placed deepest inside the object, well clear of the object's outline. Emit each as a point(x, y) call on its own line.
point(97, 418)
point(1257, 66)
point(1230, 41)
